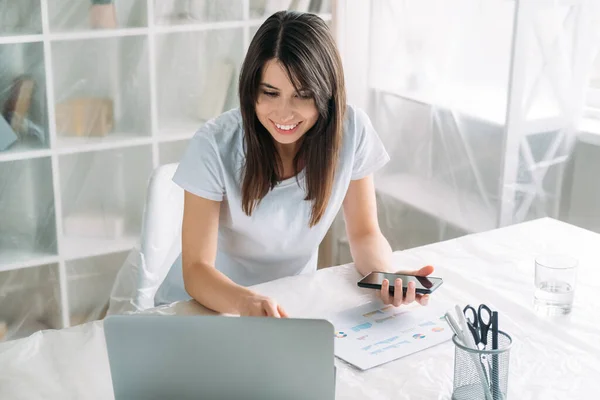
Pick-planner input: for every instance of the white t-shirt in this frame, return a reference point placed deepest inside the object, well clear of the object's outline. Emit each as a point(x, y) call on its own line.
point(276, 240)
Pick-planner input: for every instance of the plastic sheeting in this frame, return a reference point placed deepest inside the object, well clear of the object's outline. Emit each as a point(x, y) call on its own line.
point(478, 103)
point(94, 96)
point(476, 107)
point(147, 265)
point(551, 358)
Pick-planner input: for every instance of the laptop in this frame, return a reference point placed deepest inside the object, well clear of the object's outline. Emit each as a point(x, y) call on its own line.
point(218, 357)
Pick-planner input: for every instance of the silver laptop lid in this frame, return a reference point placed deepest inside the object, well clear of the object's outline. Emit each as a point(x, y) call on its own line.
point(217, 357)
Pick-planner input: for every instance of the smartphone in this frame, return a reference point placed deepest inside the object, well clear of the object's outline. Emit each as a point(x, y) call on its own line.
point(423, 284)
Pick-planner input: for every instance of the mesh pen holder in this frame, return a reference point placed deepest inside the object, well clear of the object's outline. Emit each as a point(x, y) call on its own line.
point(481, 374)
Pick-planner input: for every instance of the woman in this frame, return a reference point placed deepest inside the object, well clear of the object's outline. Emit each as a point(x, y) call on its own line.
point(263, 183)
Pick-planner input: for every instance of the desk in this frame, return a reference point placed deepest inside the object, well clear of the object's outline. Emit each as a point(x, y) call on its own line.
point(552, 358)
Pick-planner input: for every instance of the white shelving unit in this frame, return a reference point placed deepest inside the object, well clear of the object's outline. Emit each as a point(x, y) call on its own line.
point(478, 110)
point(498, 109)
point(155, 66)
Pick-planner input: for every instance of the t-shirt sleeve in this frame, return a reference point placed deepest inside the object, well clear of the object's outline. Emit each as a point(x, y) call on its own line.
point(369, 153)
point(200, 171)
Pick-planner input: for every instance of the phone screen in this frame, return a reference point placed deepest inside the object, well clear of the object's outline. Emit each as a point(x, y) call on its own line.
point(422, 284)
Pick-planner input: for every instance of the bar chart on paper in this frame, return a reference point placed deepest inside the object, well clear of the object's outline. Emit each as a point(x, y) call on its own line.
point(372, 334)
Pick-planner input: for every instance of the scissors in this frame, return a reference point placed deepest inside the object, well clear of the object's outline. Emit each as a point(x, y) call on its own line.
point(479, 323)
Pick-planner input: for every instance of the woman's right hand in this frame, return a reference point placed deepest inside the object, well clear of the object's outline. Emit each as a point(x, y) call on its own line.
point(261, 306)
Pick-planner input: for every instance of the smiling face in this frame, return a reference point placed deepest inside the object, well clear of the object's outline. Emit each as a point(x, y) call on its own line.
point(285, 113)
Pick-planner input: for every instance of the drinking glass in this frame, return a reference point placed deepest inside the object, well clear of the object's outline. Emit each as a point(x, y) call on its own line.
point(555, 277)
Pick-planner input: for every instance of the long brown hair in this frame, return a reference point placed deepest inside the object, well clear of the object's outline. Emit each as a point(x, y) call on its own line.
point(303, 44)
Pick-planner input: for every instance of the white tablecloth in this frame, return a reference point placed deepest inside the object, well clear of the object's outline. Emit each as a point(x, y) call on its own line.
point(551, 358)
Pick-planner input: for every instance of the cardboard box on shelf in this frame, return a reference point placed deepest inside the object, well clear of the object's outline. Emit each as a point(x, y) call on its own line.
point(84, 117)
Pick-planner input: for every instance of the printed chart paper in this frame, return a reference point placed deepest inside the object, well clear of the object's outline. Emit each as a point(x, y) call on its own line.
point(372, 334)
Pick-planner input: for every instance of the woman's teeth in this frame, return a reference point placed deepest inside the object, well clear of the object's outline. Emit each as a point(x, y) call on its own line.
point(286, 127)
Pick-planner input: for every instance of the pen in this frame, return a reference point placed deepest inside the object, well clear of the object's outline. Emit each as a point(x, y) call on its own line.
point(470, 343)
point(495, 383)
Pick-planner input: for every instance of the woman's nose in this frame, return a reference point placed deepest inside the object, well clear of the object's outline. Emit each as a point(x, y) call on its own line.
point(286, 116)
point(285, 112)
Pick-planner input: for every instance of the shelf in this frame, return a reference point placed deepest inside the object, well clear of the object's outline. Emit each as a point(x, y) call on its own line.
point(81, 247)
point(198, 27)
point(90, 283)
point(21, 39)
point(481, 104)
point(591, 113)
point(590, 125)
point(438, 199)
point(197, 11)
point(172, 152)
point(24, 150)
point(99, 34)
point(17, 259)
point(30, 300)
point(28, 229)
point(102, 196)
point(22, 17)
point(83, 17)
point(70, 145)
point(202, 84)
point(485, 106)
point(101, 86)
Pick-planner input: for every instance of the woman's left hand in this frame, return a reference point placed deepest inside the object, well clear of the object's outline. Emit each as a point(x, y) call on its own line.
point(398, 299)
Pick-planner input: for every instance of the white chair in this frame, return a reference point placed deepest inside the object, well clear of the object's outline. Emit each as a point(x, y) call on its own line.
point(160, 245)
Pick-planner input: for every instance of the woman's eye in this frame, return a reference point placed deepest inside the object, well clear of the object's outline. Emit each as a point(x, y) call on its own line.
point(304, 96)
point(270, 94)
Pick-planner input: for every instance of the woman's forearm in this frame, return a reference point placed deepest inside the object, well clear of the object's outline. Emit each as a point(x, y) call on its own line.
point(213, 289)
point(371, 253)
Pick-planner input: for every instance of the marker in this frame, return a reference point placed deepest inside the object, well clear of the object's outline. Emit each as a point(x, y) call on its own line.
point(495, 382)
point(455, 328)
